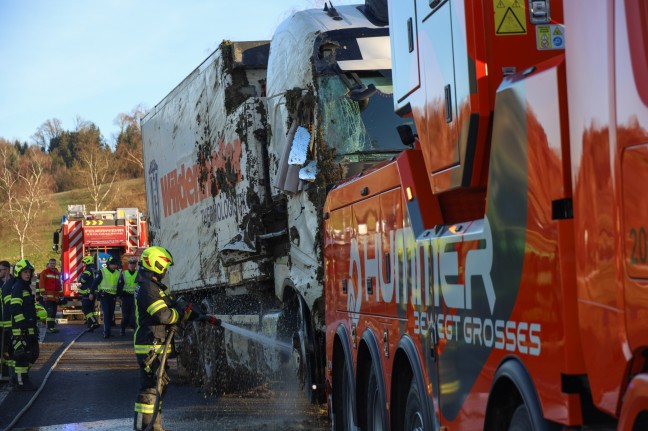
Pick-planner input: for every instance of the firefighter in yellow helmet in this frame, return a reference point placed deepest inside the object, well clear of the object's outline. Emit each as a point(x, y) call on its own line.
point(156, 312)
point(23, 325)
point(87, 300)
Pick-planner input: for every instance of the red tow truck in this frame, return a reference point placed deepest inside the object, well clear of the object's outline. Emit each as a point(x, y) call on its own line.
point(495, 275)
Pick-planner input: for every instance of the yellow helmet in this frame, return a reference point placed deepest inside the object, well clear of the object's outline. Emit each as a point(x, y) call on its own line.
point(156, 259)
point(41, 313)
point(88, 260)
point(22, 265)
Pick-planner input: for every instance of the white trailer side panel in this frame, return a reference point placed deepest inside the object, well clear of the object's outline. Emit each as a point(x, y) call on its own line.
point(204, 173)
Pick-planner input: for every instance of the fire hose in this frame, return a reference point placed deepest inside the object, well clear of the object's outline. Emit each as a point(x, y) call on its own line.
point(40, 389)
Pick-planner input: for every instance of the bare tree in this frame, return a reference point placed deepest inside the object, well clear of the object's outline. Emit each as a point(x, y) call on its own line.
point(47, 131)
point(129, 139)
point(81, 124)
point(98, 167)
point(24, 185)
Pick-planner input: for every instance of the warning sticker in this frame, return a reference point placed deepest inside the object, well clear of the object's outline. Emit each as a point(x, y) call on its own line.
point(510, 17)
point(550, 37)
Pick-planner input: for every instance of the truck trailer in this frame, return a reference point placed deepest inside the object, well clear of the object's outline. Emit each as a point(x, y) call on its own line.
point(495, 275)
point(238, 158)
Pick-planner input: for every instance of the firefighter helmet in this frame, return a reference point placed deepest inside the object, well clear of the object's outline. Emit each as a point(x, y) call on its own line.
point(41, 313)
point(156, 259)
point(88, 260)
point(22, 265)
point(113, 261)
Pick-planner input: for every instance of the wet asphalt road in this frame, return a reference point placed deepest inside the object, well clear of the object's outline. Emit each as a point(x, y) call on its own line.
point(94, 386)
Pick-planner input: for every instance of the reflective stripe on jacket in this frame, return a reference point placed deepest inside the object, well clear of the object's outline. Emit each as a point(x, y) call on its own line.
point(154, 310)
point(23, 308)
point(129, 281)
point(6, 302)
point(86, 278)
point(109, 281)
point(49, 284)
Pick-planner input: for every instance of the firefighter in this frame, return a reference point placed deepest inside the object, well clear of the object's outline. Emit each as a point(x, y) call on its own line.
point(156, 314)
point(125, 290)
point(87, 300)
point(106, 286)
point(6, 360)
point(23, 325)
point(50, 289)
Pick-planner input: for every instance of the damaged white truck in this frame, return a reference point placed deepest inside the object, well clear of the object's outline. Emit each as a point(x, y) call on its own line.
point(238, 158)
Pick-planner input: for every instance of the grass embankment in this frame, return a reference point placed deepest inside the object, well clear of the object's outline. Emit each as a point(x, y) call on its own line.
point(38, 249)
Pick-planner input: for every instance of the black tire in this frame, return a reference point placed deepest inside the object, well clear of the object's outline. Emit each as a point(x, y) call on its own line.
point(520, 421)
point(414, 414)
point(344, 407)
point(376, 415)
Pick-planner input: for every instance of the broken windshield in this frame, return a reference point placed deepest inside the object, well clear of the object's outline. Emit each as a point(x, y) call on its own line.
point(367, 126)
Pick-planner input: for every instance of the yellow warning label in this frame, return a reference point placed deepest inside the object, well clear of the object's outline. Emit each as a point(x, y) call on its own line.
point(510, 17)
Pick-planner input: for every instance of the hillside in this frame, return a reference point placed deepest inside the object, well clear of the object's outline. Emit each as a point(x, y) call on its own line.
point(127, 194)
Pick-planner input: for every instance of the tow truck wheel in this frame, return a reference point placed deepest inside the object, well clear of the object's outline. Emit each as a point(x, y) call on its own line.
point(344, 417)
point(414, 417)
point(376, 419)
point(520, 420)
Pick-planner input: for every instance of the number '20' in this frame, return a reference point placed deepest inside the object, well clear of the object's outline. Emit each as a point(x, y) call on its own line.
point(639, 245)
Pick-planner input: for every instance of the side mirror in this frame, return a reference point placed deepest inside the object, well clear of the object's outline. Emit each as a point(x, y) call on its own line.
point(308, 172)
point(406, 135)
point(300, 145)
point(55, 241)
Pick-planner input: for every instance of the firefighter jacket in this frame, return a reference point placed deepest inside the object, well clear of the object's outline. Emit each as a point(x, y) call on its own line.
point(86, 279)
point(155, 310)
point(106, 282)
point(23, 308)
point(6, 302)
point(127, 282)
point(49, 284)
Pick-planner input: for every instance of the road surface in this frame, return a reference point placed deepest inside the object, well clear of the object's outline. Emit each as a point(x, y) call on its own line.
point(94, 386)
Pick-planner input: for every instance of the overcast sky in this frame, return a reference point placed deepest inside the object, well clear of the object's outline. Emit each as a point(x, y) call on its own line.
point(97, 59)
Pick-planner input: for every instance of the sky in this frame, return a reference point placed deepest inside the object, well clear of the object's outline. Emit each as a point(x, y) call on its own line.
point(93, 60)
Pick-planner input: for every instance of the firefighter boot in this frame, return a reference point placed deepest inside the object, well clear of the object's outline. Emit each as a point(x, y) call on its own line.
point(92, 323)
point(142, 421)
point(21, 382)
point(157, 425)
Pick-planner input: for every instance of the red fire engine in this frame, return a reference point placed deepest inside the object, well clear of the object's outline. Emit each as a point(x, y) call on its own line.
point(495, 276)
point(102, 234)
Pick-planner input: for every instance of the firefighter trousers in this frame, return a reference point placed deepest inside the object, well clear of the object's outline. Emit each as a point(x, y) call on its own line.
point(145, 404)
point(25, 355)
point(52, 308)
point(6, 359)
point(88, 308)
point(108, 309)
point(128, 312)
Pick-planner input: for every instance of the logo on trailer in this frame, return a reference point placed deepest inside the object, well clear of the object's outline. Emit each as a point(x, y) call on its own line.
point(154, 207)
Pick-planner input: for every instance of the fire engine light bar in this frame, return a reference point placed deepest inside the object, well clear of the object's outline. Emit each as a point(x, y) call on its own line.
point(410, 195)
